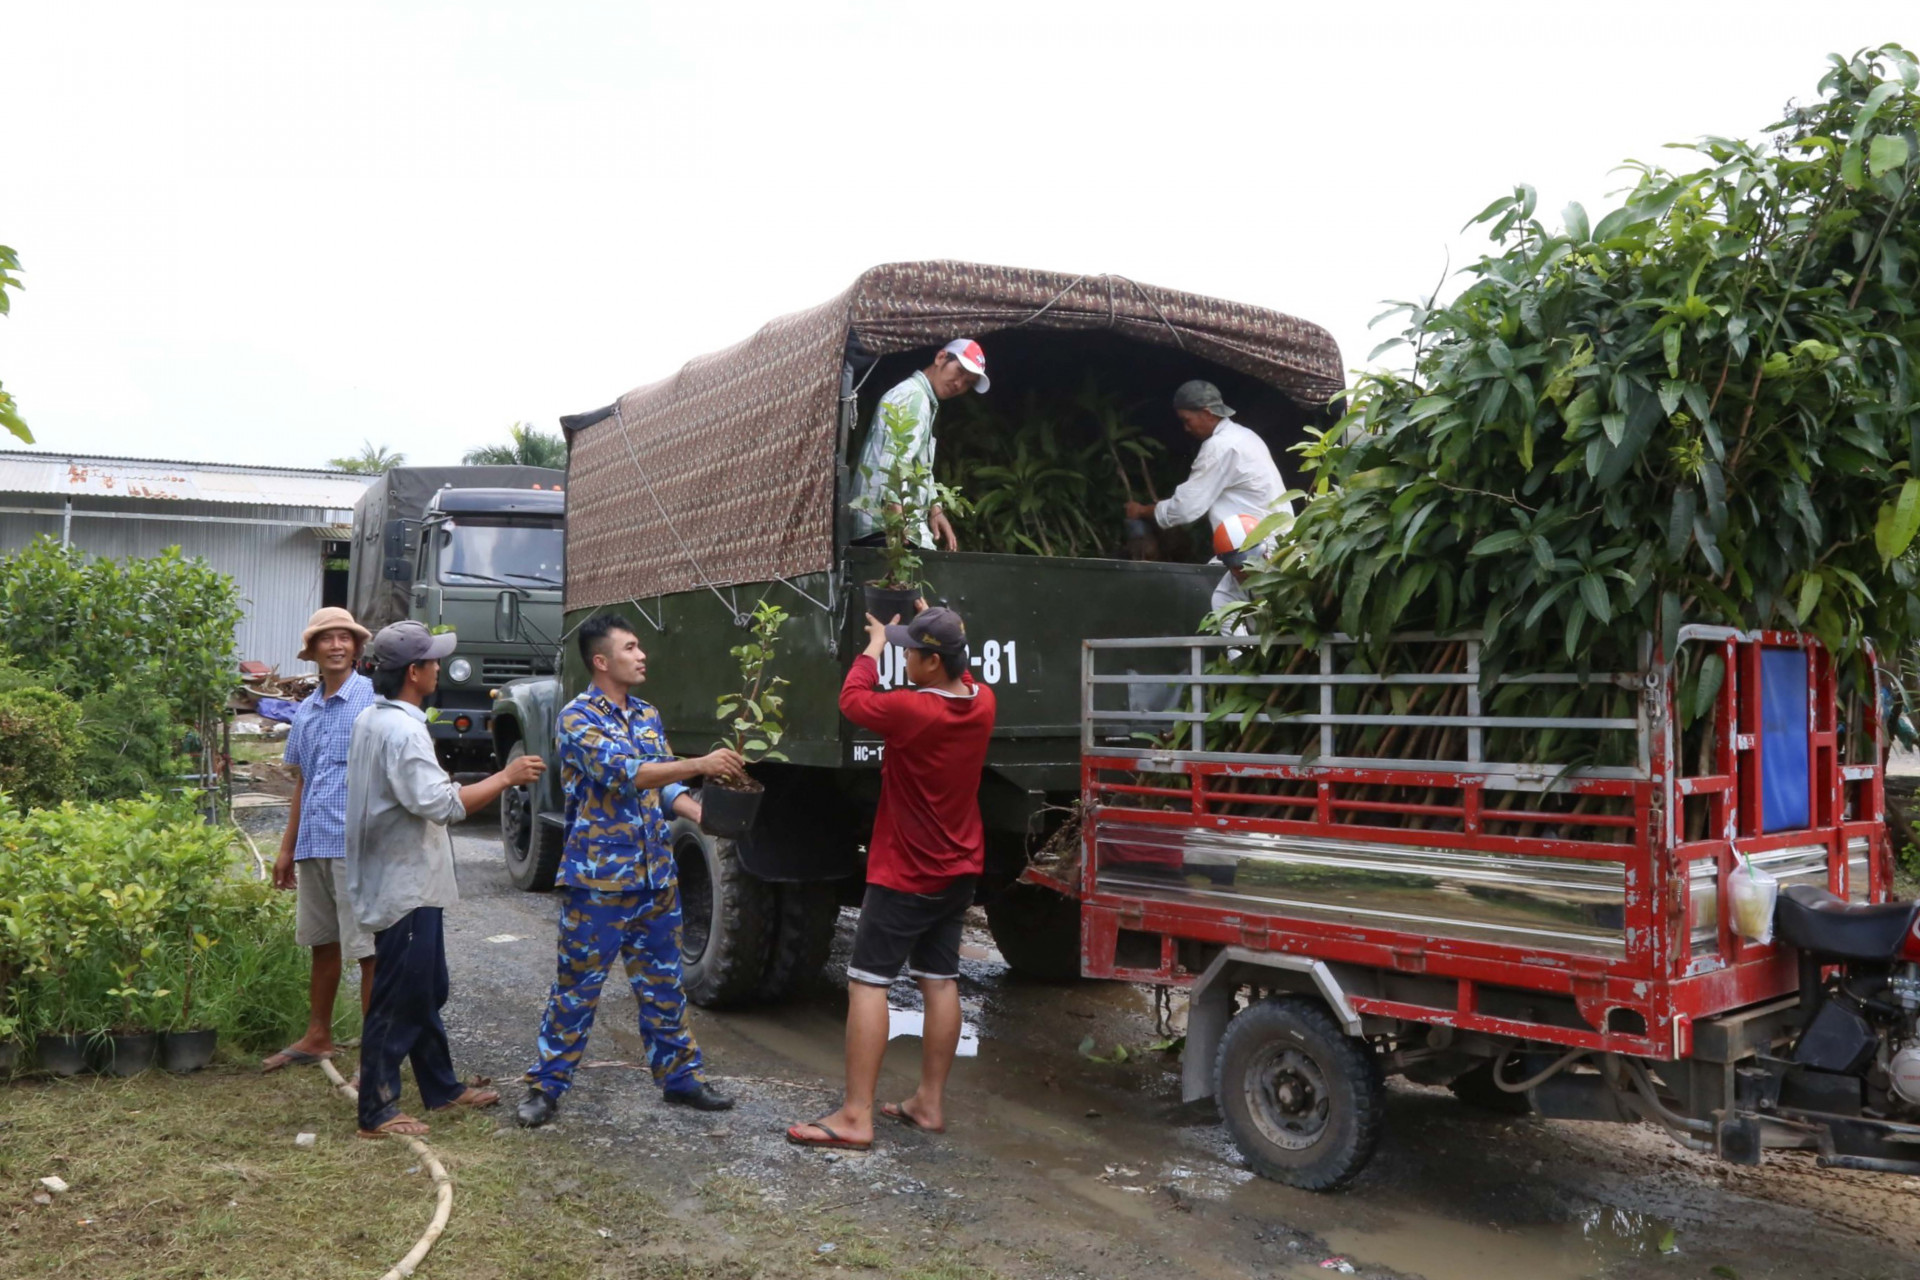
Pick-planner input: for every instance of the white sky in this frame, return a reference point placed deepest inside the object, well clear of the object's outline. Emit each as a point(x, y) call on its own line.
point(263, 232)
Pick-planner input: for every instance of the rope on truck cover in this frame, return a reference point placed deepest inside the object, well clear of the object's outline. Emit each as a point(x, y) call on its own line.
point(443, 1185)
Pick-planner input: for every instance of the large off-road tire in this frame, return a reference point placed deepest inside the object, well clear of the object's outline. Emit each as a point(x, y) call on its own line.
point(1477, 1089)
point(532, 846)
point(804, 920)
point(726, 918)
point(1303, 1101)
point(1037, 931)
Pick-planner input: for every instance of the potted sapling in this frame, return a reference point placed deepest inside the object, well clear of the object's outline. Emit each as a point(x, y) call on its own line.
point(186, 1046)
point(753, 718)
point(133, 1045)
point(899, 499)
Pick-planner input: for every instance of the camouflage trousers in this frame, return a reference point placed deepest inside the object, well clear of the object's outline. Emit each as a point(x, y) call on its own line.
point(642, 930)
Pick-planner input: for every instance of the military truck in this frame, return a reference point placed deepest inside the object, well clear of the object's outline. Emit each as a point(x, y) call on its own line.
point(477, 550)
point(694, 498)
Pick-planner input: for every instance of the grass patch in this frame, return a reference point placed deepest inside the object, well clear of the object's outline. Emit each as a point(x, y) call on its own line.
point(197, 1177)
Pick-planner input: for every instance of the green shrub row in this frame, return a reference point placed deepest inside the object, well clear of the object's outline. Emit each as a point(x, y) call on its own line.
point(136, 915)
point(93, 622)
point(104, 666)
point(112, 744)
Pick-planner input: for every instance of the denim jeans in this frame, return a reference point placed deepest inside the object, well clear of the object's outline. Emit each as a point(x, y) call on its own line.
point(403, 1023)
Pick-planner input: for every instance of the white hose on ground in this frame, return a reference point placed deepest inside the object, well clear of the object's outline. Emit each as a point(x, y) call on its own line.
point(443, 1185)
point(259, 862)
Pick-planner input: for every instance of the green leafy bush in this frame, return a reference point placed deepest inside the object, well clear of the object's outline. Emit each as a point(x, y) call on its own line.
point(96, 622)
point(40, 741)
point(127, 743)
point(1698, 406)
point(136, 913)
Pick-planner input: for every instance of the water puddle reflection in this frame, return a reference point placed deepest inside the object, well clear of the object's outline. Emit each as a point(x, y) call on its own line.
point(1628, 1231)
point(912, 1022)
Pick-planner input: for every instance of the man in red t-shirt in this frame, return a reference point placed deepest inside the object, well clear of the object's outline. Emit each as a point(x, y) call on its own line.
point(922, 864)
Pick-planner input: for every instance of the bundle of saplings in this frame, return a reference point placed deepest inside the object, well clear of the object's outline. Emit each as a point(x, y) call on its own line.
point(1048, 474)
point(1698, 407)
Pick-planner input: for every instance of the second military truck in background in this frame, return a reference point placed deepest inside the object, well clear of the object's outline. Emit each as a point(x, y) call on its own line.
point(476, 550)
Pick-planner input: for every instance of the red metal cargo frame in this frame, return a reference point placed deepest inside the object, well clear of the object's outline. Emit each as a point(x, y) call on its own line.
point(1657, 978)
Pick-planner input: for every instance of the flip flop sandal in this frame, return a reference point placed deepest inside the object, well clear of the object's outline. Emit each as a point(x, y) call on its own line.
point(387, 1130)
point(893, 1111)
point(832, 1141)
point(291, 1057)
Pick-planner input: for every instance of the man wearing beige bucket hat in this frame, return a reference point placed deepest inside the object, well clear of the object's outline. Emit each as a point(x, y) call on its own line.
point(313, 849)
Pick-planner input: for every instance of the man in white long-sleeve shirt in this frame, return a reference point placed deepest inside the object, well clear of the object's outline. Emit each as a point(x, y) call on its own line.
point(1234, 475)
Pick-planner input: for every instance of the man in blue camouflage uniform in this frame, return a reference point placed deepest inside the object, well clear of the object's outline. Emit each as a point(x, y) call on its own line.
point(619, 896)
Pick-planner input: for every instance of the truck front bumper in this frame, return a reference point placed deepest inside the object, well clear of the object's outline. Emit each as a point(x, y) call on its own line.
point(463, 726)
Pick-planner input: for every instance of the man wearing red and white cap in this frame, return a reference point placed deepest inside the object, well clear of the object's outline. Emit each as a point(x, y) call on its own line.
point(959, 367)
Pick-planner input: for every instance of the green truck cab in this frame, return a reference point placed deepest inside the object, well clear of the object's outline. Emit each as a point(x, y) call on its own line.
point(475, 550)
point(692, 499)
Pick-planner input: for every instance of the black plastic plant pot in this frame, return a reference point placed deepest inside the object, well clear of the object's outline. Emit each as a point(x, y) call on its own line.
point(8, 1055)
point(128, 1054)
point(61, 1055)
point(728, 812)
point(888, 603)
point(183, 1051)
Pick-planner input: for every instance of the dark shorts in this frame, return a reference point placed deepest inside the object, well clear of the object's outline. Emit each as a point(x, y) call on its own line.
point(920, 930)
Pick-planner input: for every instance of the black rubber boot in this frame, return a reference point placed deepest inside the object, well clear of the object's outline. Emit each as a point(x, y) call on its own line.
point(536, 1110)
point(704, 1098)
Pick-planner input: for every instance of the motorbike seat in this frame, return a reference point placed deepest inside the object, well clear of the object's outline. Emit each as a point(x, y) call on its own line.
point(1812, 919)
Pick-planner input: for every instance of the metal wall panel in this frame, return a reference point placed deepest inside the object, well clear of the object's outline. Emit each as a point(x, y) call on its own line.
point(278, 568)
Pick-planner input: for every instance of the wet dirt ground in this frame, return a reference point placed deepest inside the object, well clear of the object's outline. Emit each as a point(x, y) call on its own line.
point(1059, 1165)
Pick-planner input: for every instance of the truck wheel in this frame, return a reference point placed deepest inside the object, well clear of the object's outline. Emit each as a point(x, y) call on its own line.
point(726, 918)
point(1477, 1089)
point(532, 846)
point(1303, 1101)
point(1037, 932)
point(804, 919)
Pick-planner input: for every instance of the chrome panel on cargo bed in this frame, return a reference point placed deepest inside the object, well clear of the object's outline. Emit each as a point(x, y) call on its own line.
point(1560, 904)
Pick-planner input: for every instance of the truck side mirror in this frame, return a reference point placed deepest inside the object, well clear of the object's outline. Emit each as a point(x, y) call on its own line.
point(506, 615)
point(396, 550)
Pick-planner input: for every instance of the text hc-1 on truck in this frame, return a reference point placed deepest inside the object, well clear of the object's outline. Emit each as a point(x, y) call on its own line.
point(692, 499)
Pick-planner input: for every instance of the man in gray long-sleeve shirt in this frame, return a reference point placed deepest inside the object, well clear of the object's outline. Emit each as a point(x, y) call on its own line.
point(400, 878)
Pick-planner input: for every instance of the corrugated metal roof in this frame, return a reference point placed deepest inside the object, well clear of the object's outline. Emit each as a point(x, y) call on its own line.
point(83, 475)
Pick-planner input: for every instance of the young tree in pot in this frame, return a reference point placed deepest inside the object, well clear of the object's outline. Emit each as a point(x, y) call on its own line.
point(187, 1045)
point(899, 499)
point(753, 717)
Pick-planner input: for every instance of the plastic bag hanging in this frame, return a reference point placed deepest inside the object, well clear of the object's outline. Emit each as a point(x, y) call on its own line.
point(1751, 894)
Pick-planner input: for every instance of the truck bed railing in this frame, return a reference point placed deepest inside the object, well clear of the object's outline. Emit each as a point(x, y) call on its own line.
point(1162, 701)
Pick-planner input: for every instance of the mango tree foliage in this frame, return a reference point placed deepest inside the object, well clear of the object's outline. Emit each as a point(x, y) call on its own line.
point(1697, 406)
point(9, 410)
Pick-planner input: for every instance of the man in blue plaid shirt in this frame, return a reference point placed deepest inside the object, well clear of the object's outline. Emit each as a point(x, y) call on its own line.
point(313, 849)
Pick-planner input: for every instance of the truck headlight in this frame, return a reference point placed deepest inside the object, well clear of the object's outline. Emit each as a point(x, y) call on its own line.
point(458, 670)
